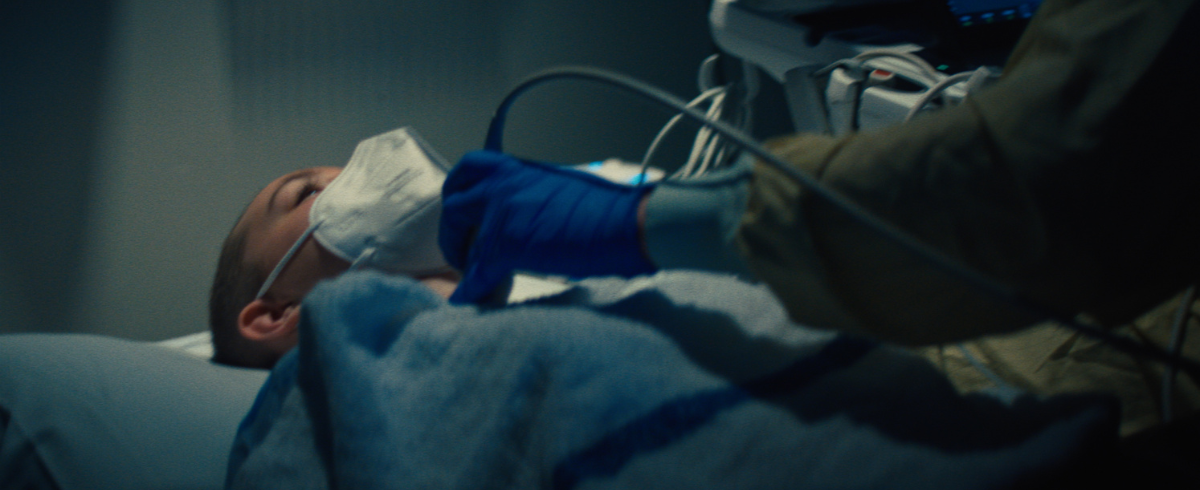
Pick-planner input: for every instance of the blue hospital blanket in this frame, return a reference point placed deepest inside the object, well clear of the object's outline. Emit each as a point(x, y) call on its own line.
point(679, 380)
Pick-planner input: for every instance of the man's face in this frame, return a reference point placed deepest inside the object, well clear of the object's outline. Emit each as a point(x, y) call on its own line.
point(275, 219)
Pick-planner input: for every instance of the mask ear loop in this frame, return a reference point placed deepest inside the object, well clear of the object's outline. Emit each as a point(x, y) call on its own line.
point(283, 262)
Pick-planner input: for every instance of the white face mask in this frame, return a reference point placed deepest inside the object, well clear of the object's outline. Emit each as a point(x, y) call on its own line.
point(382, 211)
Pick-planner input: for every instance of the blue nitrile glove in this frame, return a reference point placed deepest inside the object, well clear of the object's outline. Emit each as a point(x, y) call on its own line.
point(501, 214)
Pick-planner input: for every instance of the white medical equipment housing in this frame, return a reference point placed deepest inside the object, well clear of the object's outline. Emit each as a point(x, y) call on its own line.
point(864, 64)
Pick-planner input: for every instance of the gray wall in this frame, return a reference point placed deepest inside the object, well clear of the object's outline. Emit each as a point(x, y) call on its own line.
point(135, 131)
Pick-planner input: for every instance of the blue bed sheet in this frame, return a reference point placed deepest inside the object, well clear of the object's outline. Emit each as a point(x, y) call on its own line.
point(679, 380)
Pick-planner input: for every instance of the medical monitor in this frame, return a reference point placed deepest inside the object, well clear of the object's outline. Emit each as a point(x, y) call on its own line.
point(973, 13)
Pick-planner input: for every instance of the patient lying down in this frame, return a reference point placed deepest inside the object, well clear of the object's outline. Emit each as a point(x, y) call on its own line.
point(254, 332)
point(381, 211)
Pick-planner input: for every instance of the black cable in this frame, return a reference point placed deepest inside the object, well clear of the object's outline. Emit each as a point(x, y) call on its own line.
point(907, 241)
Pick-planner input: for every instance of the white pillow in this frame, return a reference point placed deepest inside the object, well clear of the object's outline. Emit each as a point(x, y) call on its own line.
point(196, 344)
point(100, 412)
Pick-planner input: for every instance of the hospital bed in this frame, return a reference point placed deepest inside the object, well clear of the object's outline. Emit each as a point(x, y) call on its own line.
point(94, 412)
point(90, 412)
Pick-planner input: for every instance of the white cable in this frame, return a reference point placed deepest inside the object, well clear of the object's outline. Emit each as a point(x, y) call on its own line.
point(702, 98)
point(935, 82)
point(711, 151)
point(703, 141)
point(706, 156)
point(708, 151)
point(975, 80)
point(705, 78)
point(703, 135)
point(856, 63)
point(979, 78)
point(934, 91)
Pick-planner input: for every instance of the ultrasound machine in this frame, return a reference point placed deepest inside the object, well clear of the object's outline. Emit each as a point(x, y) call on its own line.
point(858, 65)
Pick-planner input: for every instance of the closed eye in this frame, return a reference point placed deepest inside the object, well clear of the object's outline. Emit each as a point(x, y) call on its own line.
point(308, 190)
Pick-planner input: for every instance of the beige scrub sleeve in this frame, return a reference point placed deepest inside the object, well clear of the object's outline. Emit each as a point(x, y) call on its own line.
point(1073, 180)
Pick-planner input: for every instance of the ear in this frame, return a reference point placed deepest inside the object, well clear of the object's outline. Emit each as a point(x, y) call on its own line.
point(269, 321)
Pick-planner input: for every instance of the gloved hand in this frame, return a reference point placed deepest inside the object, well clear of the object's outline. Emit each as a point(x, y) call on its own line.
point(501, 214)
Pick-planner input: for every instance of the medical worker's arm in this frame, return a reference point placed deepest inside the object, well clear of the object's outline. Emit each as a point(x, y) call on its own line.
point(1072, 179)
